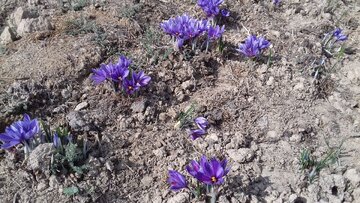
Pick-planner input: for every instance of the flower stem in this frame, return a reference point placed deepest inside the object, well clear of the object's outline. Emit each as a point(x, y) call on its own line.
point(26, 149)
point(213, 195)
point(207, 46)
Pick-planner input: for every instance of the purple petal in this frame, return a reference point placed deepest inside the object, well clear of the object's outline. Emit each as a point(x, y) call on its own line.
point(202, 123)
point(194, 134)
point(6, 138)
point(10, 144)
point(218, 171)
point(176, 180)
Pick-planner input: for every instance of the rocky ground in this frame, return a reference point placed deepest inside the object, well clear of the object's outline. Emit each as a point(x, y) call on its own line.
point(261, 116)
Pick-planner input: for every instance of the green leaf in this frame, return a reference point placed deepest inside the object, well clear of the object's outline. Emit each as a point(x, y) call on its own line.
point(70, 191)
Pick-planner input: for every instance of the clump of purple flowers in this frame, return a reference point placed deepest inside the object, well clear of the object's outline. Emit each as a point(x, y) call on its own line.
point(331, 45)
point(121, 76)
point(202, 124)
point(20, 132)
point(253, 46)
point(276, 2)
point(184, 28)
point(211, 7)
point(331, 42)
point(209, 172)
point(215, 32)
point(338, 35)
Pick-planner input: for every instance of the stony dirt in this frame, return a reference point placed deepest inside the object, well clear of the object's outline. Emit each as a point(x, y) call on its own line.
point(261, 116)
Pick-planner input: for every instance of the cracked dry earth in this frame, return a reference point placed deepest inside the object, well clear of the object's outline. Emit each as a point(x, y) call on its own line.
point(261, 116)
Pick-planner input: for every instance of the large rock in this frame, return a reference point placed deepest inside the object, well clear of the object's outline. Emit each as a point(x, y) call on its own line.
point(77, 121)
point(40, 158)
point(7, 36)
point(242, 155)
point(353, 176)
point(180, 197)
point(19, 14)
point(31, 25)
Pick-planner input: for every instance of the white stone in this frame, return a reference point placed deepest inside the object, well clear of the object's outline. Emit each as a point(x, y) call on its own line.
point(213, 137)
point(296, 138)
point(356, 194)
point(353, 176)
point(147, 181)
point(299, 86)
point(179, 198)
point(292, 198)
point(273, 136)
point(270, 81)
point(53, 181)
point(31, 25)
point(40, 157)
point(187, 85)
point(19, 14)
point(7, 36)
point(81, 106)
point(241, 155)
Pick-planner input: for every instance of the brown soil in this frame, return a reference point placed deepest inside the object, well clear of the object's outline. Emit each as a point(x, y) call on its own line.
point(259, 114)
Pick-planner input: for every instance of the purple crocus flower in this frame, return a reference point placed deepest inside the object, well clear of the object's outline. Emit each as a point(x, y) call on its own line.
point(215, 33)
point(210, 7)
point(195, 167)
point(20, 132)
point(56, 141)
point(339, 36)
point(101, 74)
point(112, 72)
point(225, 12)
point(196, 133)
point(129, 85)
point(253, 46)
point(276, 2)
point(202, 122)
point(176, 180)
point(141, 79)
point(119, 73)
point(263, 43)
point(124, 62)
point(211, 172)
point(184, 28)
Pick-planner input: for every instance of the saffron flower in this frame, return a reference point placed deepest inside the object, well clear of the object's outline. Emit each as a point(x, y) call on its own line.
point(339, 36)
point(136, 80)
point(119, 75)
point(184, 28)
point(101, 74)
point(196, 133)
point(56, 141)
point(225, 12)
point(195, 167)
point(210, 172)
point(176, 180)
point(141, 79)
point(112, 72)
point(130, 86)
point(20, 132)
point(210, 7)
point(202, 123)
point(276, 2)
point(253, 46)
point(215, 33)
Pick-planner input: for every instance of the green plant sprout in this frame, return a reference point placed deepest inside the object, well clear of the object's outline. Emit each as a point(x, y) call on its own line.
point(312, 166)
point(185, 118)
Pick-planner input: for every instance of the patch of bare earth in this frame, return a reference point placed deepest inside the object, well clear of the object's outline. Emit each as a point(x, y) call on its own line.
point(261, 116)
